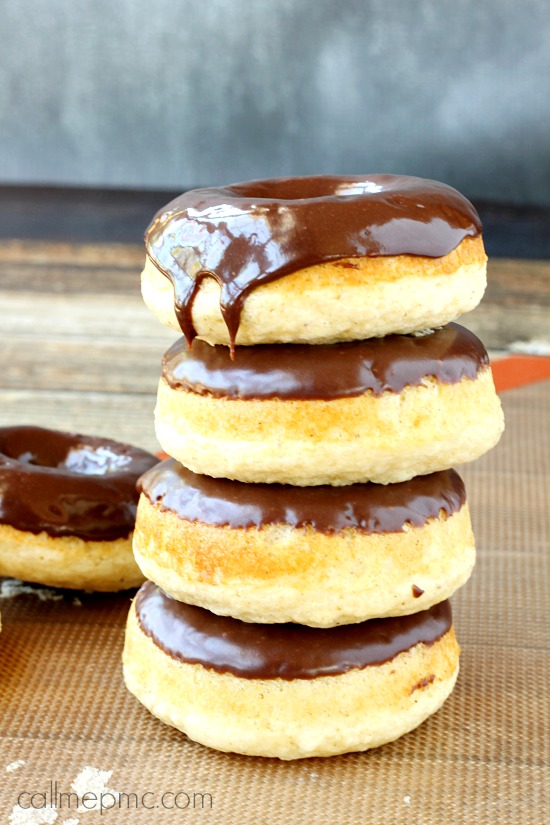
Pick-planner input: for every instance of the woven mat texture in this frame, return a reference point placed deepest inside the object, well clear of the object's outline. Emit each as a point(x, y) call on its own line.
point(484, 758)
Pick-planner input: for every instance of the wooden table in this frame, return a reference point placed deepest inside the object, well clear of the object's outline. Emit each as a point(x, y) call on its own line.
point(81, 352)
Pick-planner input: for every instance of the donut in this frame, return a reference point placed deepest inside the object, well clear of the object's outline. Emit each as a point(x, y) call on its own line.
point(381, 410)
point(314, 259)
point(319, 556)
point(287, 691)
point(67, 508)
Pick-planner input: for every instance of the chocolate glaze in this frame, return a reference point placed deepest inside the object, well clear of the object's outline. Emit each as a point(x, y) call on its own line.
point(251, 233)
point(325, 371)
point(368, 508)
point(289, 651)
point(68, 484)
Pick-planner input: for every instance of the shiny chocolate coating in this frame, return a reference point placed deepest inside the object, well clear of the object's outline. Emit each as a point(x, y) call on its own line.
point(67, 484)
point(249, 234)
point(367, 508)
point(288, 651)
point(325, 371)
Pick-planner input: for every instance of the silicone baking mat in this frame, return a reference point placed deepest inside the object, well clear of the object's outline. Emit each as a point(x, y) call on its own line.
point(65, 715)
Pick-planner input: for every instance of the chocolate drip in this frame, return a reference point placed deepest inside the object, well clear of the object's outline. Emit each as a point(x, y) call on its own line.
point(249, 234)
point(68, 484)
point(289, 651)
point(368, 508)
point(325, 371)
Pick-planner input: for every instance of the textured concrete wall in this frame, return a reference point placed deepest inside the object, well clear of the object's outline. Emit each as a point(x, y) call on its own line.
point(177, 93)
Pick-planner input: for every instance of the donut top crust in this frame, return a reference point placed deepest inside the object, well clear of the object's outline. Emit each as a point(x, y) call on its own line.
point(68, 484)
point(325, 371)
point(367, 508)
point(249, 234)
point(284, 651)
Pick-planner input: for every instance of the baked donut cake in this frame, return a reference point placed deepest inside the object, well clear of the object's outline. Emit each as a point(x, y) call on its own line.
point(67, 508)
point(305, 534)
point(319, 556)
point(382, 410)
point(287, 691)
point(314, 260)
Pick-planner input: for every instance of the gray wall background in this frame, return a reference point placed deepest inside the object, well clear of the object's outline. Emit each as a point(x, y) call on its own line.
point(179, 93)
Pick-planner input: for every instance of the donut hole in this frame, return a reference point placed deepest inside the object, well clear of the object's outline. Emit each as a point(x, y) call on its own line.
point(98, 461)
point(320, 186)
point(56, 450)
point(28, 445)
point(28, 458)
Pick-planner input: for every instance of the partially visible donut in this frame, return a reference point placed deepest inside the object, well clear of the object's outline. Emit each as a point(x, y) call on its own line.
point(314, 260)
point(67, 508)
point(285, 690)
point(381, 410)
point(319, 556)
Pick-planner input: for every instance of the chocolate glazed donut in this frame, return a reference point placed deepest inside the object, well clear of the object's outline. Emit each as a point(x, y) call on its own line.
point(68, 508)
point(249, 234)
point(287, 691)
point(318, 556)
point(381, 409)
point(69, 484)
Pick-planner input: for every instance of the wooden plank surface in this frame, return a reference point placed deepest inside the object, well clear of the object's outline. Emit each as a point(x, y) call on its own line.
point(516, 306)
point(80, 350)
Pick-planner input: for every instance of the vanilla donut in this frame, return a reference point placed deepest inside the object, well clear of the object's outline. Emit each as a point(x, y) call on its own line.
point(286, 690)
point(67, 508)
point(381, 410)
point(319, 556)
point(314, 260)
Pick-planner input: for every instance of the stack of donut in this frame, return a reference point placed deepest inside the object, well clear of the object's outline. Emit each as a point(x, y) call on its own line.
point(305, 535)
